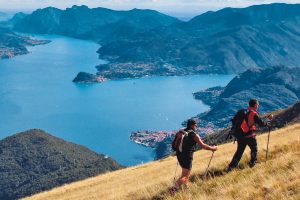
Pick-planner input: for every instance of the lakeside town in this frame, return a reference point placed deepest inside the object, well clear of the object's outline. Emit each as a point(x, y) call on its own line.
point(152, 138)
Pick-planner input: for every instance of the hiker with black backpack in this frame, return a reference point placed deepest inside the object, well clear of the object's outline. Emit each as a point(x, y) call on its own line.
point(244, 129)
point(185, 144)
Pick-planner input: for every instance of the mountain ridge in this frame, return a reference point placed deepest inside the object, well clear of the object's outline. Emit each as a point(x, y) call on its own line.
point(216, 47)
point(98, 24)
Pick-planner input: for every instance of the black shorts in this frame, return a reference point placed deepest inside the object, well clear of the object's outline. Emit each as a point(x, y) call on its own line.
point(184, 160)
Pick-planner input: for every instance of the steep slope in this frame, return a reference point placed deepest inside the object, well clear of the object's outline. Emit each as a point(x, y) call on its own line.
point(278, 178)
point(34, 161)
point(290, 115)
point(98, 24)
point(41, 21)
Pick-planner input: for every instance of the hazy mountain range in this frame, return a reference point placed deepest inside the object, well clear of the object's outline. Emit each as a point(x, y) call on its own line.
point(226, 41)
point(98, 24)
point(146, 42)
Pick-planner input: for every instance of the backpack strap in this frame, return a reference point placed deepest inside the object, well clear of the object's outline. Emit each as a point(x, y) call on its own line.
point(245, 123)
point(185, 133)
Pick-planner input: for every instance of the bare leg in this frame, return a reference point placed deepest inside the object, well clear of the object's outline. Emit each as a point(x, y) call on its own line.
point(184, 177)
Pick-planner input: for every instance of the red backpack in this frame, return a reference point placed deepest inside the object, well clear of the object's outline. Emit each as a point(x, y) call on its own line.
point(240, 123)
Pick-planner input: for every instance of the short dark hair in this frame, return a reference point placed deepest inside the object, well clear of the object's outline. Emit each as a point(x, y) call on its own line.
point(191, 122)
point(253, 102)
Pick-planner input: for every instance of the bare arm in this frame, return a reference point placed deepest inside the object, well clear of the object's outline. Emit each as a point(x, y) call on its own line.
point(204, 146)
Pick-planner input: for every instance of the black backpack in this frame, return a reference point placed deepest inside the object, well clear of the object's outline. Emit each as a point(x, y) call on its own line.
point(179, 141)
point(236, 122)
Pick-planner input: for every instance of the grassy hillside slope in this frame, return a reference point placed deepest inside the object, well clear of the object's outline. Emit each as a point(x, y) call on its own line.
point(278, 178)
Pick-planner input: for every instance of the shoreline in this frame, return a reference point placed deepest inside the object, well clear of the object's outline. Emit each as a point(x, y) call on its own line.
point(11, 52)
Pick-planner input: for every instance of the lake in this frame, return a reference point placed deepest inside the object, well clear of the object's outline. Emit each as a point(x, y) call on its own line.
point(36, 91)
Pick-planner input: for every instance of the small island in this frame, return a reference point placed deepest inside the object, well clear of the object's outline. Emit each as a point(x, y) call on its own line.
point(83, 77)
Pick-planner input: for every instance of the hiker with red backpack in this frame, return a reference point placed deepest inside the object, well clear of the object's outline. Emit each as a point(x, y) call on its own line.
point(244, 129)
point(185, 144)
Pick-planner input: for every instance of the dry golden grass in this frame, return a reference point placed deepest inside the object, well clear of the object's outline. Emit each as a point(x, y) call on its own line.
point(278, 178)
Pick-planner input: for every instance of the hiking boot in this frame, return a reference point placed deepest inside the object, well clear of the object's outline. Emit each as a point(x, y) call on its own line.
point(251, 164)
point(173, 190)
point(229, 169)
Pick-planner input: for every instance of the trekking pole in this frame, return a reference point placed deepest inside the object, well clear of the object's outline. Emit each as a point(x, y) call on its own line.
point(204, 177)
point(268, 143)
point(174, 181)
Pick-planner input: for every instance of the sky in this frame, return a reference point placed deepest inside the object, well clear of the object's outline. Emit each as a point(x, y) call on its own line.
point(173, 7)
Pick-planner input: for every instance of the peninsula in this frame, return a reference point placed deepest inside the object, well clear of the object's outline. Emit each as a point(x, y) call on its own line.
point(12, 44)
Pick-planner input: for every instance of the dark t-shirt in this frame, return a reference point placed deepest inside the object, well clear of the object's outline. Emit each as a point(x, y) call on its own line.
point(189, 144)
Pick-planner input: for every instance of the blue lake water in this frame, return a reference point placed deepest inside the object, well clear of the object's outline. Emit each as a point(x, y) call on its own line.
point(36, 91)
